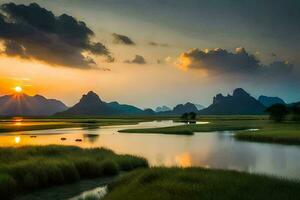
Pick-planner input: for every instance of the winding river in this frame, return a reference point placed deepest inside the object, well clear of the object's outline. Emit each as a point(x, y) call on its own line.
point(210, 150)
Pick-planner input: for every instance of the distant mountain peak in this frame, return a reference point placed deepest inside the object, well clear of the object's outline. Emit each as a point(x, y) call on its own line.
point(91, 97)
point(269, 101)
point(91, 104)
point(218, 98)
point(25, 105)
point(189, 104)
point(240, 92)
point(162, 109)
point(39, 97)
point(183, 108)
point(239, 103)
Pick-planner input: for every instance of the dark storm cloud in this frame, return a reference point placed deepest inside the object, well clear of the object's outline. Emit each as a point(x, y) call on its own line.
point(34, 32)
point(222, 61)
point(122, 39)
point(12, 48)
point(137, 60)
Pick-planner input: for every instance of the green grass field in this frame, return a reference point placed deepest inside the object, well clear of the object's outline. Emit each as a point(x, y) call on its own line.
point(204, 184)
point(43, 123)
point(215, 125)
point(47, 123)
point(283, 133)
point(30, 168)
point(269, 131)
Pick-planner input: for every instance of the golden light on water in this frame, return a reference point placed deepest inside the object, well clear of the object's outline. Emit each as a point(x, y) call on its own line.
point(184, 160)
point(17, 139)
point(18, 123)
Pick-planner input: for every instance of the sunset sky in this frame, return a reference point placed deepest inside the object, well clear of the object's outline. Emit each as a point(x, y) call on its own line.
point(150, 52)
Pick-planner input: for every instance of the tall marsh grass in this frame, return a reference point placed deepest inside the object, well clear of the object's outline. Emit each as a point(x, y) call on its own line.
point(198, 183)
point(29, 168)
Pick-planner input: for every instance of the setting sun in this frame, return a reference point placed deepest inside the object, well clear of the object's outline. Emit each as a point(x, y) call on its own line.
point(18, 89)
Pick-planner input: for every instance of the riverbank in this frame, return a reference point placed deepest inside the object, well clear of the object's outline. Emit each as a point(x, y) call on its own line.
point(27, 169)
point(215, 125)
point(20, 124)
point(281, 133)
point(14, 124)
point(197, 183)
point(267, 131)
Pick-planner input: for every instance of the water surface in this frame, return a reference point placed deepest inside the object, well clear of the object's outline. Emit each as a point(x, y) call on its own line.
point(210, 150)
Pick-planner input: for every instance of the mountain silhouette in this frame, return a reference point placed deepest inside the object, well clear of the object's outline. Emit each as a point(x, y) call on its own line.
point(184, 108)
point(199, 106)
point(180, 109)
point(239, 103)
point(269, 101)
point(162, 109)
point(91, 104)
point(25, 105)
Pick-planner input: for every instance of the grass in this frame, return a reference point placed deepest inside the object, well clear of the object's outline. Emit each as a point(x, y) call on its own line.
point(30, 168)
point(42, 124)
point(271, 132)
point(283, 133)
point(90, 197)
point(204, 184)
point(189, 129)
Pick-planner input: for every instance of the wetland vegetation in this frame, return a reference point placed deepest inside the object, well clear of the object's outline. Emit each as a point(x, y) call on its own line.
point(27, 169)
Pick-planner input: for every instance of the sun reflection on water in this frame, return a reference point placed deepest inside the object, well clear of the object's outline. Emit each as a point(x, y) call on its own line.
point(184, 160)
point(17, 139)
point(18, 123)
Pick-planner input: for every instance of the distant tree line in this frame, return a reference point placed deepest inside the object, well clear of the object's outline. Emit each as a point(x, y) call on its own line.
point(189, 117)
point(279, 112)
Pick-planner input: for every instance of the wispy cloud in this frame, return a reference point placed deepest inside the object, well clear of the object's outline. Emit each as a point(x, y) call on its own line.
point(122, 39)
point(138, 59)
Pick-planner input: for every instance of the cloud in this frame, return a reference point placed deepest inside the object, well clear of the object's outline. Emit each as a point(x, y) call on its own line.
point(225, 62)
point(137, 60)
point(122, 39)
point(32, 32)
point(158, 44)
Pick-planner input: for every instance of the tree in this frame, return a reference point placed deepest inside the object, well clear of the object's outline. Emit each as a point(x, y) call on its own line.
point(192, 116)
point(189, 117)
point(185, 116)
point(295, 111)
point(278, 112)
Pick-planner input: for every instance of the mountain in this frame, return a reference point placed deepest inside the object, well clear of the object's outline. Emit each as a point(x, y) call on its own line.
point(149, 111)
point(91, 104)
point(183, 108)
point(25, 105)
point(269, 101)
point(239, 103)
point(180, 109)
point(124, 108)
point(162, 109)
point(199, 107)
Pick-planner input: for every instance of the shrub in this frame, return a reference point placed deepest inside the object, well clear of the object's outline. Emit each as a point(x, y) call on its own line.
point(8, 186)
point(278, 112)
point(109, 168)
point(127, 162)
point(30, 168)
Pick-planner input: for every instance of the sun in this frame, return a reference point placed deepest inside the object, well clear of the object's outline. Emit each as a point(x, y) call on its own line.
point(18, 89)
